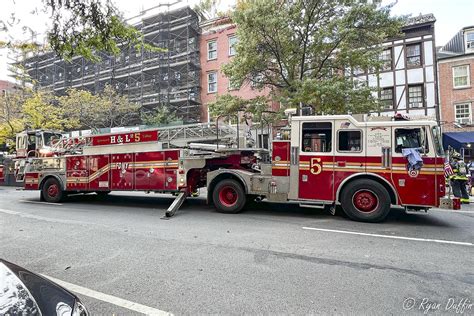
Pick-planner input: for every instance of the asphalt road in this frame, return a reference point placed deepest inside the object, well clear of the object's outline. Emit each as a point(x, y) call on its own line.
point(261, 261)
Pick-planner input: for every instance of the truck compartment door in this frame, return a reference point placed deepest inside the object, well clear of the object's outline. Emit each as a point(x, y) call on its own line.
point(99, 169)
point(281, 158)
point(122, 172)
point(171, 169)
point(149, 171)
point(77, 175)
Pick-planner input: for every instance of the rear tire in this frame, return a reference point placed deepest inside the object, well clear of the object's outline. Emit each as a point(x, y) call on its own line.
point(52, 191)
point(229, 196)
point(102, 193)
point(365, 201)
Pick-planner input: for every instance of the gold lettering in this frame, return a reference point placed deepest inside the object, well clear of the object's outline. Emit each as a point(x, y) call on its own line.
point(316, 166)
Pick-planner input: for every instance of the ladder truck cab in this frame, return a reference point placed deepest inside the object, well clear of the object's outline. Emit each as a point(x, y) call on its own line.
point(36, 143)
point(33, 143)
point(364, 166)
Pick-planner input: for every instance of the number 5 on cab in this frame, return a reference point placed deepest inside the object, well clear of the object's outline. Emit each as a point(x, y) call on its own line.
point(315, 166)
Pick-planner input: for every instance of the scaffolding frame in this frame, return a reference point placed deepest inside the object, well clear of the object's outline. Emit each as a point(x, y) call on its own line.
point(151, 79)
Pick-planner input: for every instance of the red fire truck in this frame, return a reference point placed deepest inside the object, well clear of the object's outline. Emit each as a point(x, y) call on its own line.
point(318, 161)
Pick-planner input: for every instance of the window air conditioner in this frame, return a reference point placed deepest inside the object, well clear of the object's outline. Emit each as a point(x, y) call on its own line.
point(463, 121)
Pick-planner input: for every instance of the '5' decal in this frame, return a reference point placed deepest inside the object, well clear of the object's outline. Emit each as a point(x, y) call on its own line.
point(315, 166)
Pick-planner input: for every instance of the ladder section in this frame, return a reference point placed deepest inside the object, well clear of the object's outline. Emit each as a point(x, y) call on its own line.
point(70, 145)
point(180, 136)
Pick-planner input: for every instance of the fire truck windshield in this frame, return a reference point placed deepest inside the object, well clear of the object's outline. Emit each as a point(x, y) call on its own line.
point(50, 139)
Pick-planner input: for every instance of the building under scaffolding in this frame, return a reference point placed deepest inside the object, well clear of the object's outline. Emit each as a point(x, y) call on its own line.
point(148, 78)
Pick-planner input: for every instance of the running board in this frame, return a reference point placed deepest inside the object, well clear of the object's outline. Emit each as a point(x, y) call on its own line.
point(175, 205)
point(318, 206)
point(416, 211)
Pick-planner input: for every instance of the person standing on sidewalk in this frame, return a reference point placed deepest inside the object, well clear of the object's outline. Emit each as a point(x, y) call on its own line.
point(459, 178)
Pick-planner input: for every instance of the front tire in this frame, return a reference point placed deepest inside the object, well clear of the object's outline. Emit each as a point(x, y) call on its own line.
point(229, 196)
point(366, 201)
point(52, 191)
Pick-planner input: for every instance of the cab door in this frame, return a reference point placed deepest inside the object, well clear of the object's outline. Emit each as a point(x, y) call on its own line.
point(415, 187)
point(316, 161)
point(350, 154)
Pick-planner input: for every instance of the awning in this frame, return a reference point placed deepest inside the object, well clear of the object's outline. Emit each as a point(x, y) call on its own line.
point(457, 140)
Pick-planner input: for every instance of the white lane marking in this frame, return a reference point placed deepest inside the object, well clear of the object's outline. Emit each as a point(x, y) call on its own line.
point(42, 218)
point(9, 212)
point(39, 202)
point(451, 211)
point(109, 298)
point(392, 237)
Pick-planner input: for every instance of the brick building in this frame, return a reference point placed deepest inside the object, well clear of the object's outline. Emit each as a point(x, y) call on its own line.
point(407, 83)
point(456, 74)
point(216, 47)
point(7, 86)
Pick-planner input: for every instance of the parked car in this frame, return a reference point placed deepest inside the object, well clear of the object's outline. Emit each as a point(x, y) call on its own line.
point(26, 293)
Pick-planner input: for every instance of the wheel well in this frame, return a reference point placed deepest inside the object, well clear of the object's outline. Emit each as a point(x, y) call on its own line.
point(220, 177)
point(390, 190)
point(49, 177)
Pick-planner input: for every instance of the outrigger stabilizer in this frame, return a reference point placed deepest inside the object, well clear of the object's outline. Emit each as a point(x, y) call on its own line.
point(175, 205)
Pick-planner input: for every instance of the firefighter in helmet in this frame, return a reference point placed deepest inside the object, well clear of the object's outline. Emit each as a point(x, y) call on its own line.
point(459, 178)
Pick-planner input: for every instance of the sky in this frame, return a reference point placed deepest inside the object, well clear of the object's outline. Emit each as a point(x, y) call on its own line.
point(451, 16)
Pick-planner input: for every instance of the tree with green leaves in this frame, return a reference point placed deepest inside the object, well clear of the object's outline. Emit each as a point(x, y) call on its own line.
point(28, 109)
point(103, 110)
point(41, 111)
point(227, 104)
point(159, 116)
point(305, 50)
point(11, 117)
point(78, 109)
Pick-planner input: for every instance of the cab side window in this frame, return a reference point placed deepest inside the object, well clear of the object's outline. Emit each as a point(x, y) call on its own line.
point(317, 137)
point(349, 141)
point(410, 138)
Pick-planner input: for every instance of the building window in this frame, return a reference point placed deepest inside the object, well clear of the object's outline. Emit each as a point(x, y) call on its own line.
point(386, 59)
point(211, 50)
point(233, 85)
point(212, 82)
point(232, 43)
point(413, 55)
point(461, 76)
point(462, 113)
point(415, 96)
point(386, 98)
point(357, 71)
point(470, 41)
